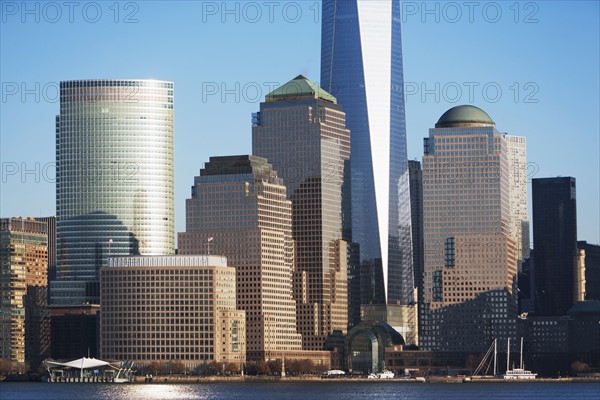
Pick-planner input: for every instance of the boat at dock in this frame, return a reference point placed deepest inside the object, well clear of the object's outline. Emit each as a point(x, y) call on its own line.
point(517, 373)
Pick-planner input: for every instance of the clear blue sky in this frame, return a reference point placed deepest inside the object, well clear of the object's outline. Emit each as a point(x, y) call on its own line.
point(533, 66)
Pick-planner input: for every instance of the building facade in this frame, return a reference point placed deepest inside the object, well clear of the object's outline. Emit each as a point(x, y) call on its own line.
point(592, 269)
point(24, 317)
point(75, 331)
point(51, 222)
point(114, 180)
point(361, 65)
point(416, 213)
point(517, 172)
point(555, 244)
point(171, 308)
point(470, 269)
point(239, 209)
point(301, 131)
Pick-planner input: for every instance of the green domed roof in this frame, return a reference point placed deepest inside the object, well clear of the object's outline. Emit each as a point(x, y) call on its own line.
point(299, 87)
point(465, 115)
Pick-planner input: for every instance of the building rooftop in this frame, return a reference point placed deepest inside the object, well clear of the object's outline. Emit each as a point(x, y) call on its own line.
point(465, 115)
point(300, 86)
point(168, 261)
point(585, 308)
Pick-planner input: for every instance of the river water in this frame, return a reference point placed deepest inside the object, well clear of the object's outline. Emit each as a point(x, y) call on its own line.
point(329, 390)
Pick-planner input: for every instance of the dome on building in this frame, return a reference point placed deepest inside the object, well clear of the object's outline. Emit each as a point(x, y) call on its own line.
point(464, 116)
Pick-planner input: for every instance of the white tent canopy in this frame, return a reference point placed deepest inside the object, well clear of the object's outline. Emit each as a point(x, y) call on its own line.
point(82, 363)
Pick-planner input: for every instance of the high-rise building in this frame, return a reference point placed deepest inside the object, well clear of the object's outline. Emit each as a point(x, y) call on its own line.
point(51, 222)
point(555, 244)
point(361, 65)
point(470, 269)
point(592, 269)
point(239, 209)
point(24, 316)
point(183, 309)
point(416, 214)
point(114, 179)
point(517, 171)
point(301, 131)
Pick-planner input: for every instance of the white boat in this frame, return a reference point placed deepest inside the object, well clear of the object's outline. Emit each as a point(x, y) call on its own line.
point(517, 373)
point(382, 375)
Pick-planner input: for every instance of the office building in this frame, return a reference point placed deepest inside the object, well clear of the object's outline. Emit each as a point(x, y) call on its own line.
point(416, 213)
point(239, 209)
point(592, 269)
point(517, 172)
point(75, 331)
point(361, 65)
point(171, 308)
point(301, 131)
point(51, 222)
point(24, 318)
point(114, 179)
point(555, 244)
point(470, 269)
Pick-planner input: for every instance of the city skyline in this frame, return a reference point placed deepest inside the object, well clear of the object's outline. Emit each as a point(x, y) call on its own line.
point(574, 114)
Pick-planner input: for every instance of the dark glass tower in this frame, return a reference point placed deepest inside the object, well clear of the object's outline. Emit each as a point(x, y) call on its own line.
point(554, 243)
point(361, 65)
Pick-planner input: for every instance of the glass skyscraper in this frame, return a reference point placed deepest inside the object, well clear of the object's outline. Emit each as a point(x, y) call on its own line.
point(361, 65)
point(554, 244)
point(114, 179)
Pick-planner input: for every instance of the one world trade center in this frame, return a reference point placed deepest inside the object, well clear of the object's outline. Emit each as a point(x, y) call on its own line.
point(361, 65)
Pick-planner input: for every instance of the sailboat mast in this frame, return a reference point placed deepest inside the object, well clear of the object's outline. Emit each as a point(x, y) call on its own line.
point(508, 355)
point(495, 356)
point(521, 352)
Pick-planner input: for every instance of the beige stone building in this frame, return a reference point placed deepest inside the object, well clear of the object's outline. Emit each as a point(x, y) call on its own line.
point(171, 308)
point(24, 316)
point(301, 131)
point(470, 249)
point(239, 209)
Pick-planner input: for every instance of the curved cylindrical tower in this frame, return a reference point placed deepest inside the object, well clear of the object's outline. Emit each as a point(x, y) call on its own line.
point(115, 185)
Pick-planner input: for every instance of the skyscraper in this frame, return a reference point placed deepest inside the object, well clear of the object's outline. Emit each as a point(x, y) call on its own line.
point(361, 65)
point(519, 225)
point(592, 269)
point(302, 132)
point(239, 210)
point(24, 316)
point(554, 244)
point(470, 269)
point(114, 186)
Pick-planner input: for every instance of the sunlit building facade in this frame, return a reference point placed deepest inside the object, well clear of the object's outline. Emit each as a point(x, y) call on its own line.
point(361, 65)
point(518, 169)
point(24, 316)
point(114, 179)
point(171, 308)
point(470, 264)
point(239, 209)
point(301, 131)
